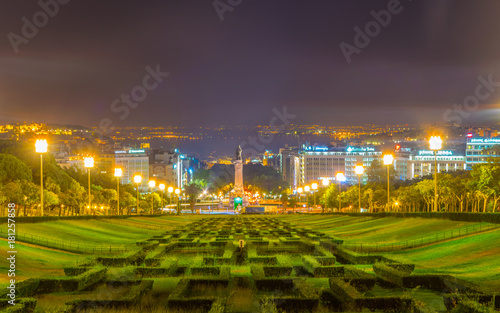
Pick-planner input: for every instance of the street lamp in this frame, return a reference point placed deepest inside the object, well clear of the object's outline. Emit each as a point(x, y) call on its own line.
point(88, 162)
point(314, 187)
point(359, 169)
point(41, 146)
point(326, 183)
point(306, 189)
point(435, 143)
point(177, 192)
point(300, 190)
point(388, 159)
point(152, 184)
point(162, 188)
point(340, 178)
point(118, 174)
point(137, 180)
point(170, 190)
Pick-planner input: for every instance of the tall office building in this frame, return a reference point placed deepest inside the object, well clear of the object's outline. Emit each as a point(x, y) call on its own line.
point(133, 162)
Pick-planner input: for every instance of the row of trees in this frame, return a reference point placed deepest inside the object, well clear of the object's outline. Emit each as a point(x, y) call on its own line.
point(64, 193)
point(477, 190)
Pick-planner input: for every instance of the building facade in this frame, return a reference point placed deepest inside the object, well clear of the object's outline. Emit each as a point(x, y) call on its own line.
point(478, 150)
point(133, 162)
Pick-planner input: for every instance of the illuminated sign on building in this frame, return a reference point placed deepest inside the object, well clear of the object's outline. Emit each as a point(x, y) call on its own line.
point(485, 140)
point(351, 149)
point(137, 151)
point(118, 152)
point(439, 152)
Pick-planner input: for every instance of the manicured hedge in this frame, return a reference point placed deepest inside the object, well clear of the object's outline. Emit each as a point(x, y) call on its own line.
point(75, 271)
point(326, 260)
point(205, 271)
point(152, 271)
point(312, 266)
point(22, 305)
point(389, 273)
point(277, 271)
point(358, 258)
point(359, 279)
point(35, 286)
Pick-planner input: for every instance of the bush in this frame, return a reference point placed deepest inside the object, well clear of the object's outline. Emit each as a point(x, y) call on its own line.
point(277, 271)
point(205, 271)
point(22, 305)
point(312, 266)
point(75, 271)
point(389, 273)
point(359, 279)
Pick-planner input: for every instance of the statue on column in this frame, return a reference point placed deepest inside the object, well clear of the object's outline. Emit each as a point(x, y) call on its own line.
point(238, 153)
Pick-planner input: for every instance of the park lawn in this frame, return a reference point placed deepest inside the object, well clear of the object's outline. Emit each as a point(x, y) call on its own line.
point(87, 232)
point(167, 221)
point(317, 221)
point(473, 258)
point(36, 261)
point(392, 229)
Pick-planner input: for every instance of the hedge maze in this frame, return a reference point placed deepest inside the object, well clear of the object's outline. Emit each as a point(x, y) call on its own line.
point(246, 264)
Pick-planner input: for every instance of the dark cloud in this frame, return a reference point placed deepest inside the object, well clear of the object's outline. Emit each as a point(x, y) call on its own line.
point(264, 54)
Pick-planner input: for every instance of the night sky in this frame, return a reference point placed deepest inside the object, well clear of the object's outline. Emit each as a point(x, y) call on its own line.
point(264, 54)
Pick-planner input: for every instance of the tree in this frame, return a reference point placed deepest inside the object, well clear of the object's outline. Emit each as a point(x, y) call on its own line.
point(11, 168)
point(193, 191)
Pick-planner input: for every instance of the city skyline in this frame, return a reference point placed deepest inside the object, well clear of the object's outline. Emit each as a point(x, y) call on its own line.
point(206, 64)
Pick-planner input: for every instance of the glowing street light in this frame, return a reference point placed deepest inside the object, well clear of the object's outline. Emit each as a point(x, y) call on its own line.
point(359, 170)
point(300, 190)
point(306, 190)
point(388, 159)
point(177, 192)
point(340, 177)
point(41, 147)
point(88, 162)
point(137, 180)
point(435, 143)
point(170, 190)
point(152, 184)
point(118, 174)
point(162, 188)
point(314, 187)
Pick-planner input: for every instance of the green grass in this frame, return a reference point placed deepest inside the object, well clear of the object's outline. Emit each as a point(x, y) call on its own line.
point(33, 261)
point(474, 258)
point(89, 232)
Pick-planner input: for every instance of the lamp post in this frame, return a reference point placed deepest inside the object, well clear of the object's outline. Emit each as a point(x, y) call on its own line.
point(137, 180)
point(314, 187)
point(326, 183)
point(162, 188)
point(300, 190)
point(152, 184)
point(359, 169)
point(177, 192)
point(435, 143)
point(170, 190)
point(340, 178)
point(306, 190)
point(118, 174)
point(89, 163)
point(41, 146)
point(388, 159)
